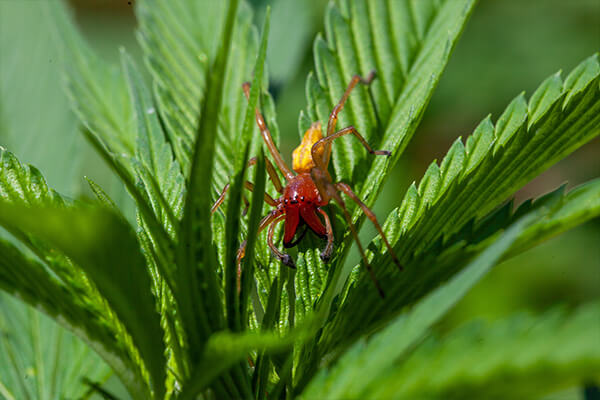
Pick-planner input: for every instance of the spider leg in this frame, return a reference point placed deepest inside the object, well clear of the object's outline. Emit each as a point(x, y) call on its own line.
point(326, 253)
point(220, 200)
point(333, 117)
point(348, 191)
point(246, 206)
point(321, 157)
point(250, 186)
point(266, 134)
point(285, 258)
point(329, 191)
point(271, 171)
point(268, 199)
point(264, 222)
point(348, 218)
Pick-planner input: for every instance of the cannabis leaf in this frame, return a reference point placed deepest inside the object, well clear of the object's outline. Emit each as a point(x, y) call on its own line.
point(58, 287)
point(38, 359)
point(408, 44)
point(167, 305)
point(540, 354)
point(179, 50)
point(470, 182)
point(363, 363)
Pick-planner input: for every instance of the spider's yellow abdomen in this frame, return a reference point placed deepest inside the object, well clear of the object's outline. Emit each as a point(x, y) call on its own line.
point(302, 160)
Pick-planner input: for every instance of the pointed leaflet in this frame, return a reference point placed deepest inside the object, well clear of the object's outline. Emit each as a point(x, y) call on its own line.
point(364, 362)
point(95, 324)
point(24, 185)
point(577, 206)
point(179, 45)
point(408, 44)
point(38, 359)
point(107, 250)
point(522, 356)
point(253, 222)
point(225, 349)
point(97, 90)
point(99, 96)
point(232, 275)
point(153, 151)
point(196, 282)
point(525, 153)
point(559, 212)
point(491, 175)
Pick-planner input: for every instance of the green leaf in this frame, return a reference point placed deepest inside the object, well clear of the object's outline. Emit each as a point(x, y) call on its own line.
point(557, 212)
point(574, 208)
point(107, 250)
point(99, 96)
point(82, 305)
point(179, 46)
point(484, 174)
point(38, 359)
point(224, 349)
point(91, 321)
point(162, 172)
point(365, 361)
point(35, 121)
point(232, 277)
point(102, 196)
point(232, 229)
point(200, 305)
point(522, 356)
point(256, 207)
point(408, 45)
point(24, 184)
point(519, 154)
point(97, 90)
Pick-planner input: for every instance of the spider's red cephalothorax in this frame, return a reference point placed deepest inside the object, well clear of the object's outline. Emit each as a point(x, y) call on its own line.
point(310, 187)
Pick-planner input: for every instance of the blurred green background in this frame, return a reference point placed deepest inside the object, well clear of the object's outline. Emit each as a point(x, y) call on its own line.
point(507, 47)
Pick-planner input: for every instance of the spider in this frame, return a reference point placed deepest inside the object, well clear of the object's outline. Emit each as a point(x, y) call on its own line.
point(310, 187)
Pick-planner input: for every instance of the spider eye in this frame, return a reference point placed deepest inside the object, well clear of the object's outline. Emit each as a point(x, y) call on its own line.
point(302, 198)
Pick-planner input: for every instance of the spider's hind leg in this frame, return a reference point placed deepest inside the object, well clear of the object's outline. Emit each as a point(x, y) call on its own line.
point(348, 218)
point(329, 191)
point(342, 187)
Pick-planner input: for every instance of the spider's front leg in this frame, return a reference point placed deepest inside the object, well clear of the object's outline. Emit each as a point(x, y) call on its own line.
point(268, 199)
point(333, 117)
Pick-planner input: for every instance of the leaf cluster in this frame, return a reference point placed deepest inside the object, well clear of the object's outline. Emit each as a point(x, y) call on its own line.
point(161, 300)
